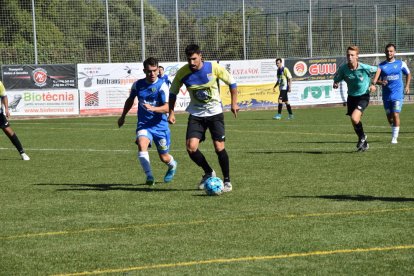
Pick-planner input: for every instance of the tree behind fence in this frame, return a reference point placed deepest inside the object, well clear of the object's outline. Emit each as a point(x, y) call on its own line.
point(76, 31)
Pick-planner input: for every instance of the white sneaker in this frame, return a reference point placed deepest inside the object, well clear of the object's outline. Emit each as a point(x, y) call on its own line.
point(227, 187)
point(25, 157)
point(394, 140)
point(204, 178)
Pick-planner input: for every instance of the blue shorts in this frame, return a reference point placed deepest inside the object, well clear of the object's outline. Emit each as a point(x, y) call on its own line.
point(162, 139)
point(393, 106)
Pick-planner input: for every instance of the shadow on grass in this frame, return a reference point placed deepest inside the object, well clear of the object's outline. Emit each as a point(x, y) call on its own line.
point(158, 187)
point(298, 152)
point(358, 198)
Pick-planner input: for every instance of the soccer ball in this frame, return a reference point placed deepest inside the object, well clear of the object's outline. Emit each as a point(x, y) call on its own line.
point(213, 186)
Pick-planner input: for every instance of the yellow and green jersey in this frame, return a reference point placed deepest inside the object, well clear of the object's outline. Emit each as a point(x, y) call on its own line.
point(202, 85)
point(2, 90)
point(283, 75)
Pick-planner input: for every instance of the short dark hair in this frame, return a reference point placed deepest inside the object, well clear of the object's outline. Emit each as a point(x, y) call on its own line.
point(278, 59)
point(151, 61)
point(161, 67)
point(390, 45)
point(192, 49)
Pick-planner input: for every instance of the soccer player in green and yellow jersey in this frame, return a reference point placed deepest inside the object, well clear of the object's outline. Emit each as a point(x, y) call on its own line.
point(205, 108)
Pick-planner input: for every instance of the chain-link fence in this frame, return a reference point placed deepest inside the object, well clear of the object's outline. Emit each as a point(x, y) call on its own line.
point(101, 31)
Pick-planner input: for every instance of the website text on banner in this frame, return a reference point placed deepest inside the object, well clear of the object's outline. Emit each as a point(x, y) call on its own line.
point(35, 90)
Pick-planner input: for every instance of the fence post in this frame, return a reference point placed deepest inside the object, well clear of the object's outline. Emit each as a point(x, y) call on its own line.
point(177, 31)
point(310, 29)
point(34, 31)
point(142, 31)
point(107, 31)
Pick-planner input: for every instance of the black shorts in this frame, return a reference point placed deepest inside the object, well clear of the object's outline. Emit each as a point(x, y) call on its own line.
point(283, 96)
point(358, 102)
point(3, 121)
point(197, 127)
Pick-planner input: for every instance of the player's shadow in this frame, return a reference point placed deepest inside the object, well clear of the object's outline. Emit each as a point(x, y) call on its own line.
point(158, 187)
point(358, 198)
point(298, 152)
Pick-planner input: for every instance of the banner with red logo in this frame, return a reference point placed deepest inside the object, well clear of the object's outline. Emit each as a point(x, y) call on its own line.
point(43, 102)
point(311, 82)
point(312, 69)
point(59, 76)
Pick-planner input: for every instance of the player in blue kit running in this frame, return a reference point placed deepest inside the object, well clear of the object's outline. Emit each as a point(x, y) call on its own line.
point(206, 110)
point(357, 76)
point(152, 125)
point(164, 76)
point(390, 76)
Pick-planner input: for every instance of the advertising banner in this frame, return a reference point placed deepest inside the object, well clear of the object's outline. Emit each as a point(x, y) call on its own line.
point(255, 80)
point(43, 102)
point(311, 82)
point(103, 88)
point(310, 69)
point(183, 98)
point(316, 92)
point(59, 76)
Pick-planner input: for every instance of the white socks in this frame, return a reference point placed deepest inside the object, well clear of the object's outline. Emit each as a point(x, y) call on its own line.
point(143, 158)
point(171, 163)
point(395, 131)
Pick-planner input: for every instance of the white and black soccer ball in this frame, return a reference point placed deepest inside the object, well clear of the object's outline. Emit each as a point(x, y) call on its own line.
point(213, 186)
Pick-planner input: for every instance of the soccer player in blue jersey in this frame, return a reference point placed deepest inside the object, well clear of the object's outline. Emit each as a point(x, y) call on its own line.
point(206, 110)
point(163, 76)
point(357, 76)
point(390, 76)
point(152, 125)
point(5, 125)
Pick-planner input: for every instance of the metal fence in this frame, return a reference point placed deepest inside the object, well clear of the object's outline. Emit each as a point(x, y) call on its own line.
point(102, 31)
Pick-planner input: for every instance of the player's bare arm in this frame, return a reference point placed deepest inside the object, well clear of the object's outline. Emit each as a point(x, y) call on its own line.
point(5, 103)
point(171, 103)
point(407, 84)
point(127, 106)
point(158, 109)
point(234, 106)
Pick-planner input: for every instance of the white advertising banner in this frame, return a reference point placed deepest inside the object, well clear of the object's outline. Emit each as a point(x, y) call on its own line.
point(260, 71)
point(43, 102)
point(104, 87)
point(183, 98)
point(316, 92)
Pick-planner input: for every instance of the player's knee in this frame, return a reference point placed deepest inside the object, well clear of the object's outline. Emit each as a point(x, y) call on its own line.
point(165, 157)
